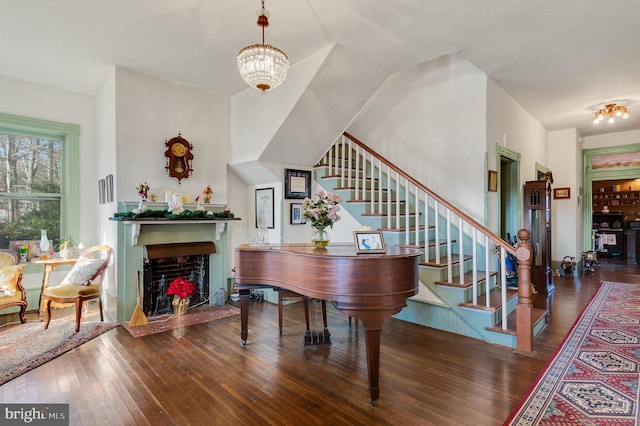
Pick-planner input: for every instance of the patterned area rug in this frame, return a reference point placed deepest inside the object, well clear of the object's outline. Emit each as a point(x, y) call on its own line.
point(593, 378)
point(169, 322)
point(27, 346)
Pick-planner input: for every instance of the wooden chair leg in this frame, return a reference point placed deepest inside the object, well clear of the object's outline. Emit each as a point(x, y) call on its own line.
point(280, 309)
point(47, 313)
point(305, 300)
point(100, 307)
point(23, 310)
point(78, 313)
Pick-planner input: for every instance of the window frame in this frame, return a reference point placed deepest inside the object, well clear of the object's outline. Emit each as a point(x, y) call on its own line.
point(69, 135)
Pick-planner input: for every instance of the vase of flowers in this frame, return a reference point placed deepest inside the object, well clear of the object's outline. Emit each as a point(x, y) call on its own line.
point(322, 212)
point(181, 290)
point(23, 250)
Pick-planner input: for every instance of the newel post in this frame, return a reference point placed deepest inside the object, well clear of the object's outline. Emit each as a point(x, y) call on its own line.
point(524, 310)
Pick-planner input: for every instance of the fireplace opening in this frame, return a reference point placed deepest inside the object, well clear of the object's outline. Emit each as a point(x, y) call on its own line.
point(163, 263)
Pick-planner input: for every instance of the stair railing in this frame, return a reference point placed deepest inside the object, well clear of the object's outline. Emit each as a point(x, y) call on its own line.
point(375, 179)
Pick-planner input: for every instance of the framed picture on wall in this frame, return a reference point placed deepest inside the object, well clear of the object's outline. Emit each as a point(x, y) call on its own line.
point(265, 208)
point(560, 193)
point(101, 191)
point(297, 184)
point(109, 185)
point(296, 214)
point(492, 185)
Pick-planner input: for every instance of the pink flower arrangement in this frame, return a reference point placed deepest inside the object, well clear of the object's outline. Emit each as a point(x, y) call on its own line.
point(180, 288)
point(323, 211)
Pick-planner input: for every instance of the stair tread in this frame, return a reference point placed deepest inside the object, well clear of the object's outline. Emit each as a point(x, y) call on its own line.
point(432, 243)
point(411, 228)
point(383, 215)
point(495, 300)
point(455, 259)
point(346, 177)
point(537, 315)
point(368, 201)
point(467, 279)
point(352, 188)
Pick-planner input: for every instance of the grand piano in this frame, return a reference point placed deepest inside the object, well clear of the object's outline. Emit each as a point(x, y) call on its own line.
point(370, 287)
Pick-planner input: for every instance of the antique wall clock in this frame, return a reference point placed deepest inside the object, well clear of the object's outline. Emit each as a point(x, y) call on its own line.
point(179, 155)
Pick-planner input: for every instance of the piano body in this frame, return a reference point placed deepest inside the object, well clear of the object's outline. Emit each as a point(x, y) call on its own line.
point(370, 287)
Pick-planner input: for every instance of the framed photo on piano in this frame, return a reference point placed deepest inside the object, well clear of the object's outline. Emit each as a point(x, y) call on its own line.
point(369, 242)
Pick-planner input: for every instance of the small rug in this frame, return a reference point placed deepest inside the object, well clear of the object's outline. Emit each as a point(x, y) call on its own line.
point(593, 377)
point(169, 322)
point(27, 346)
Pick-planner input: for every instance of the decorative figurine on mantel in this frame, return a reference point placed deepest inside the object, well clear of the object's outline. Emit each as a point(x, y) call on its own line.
point(207, 194)
point(175, 205)
point(199, 208)
point(143, 190)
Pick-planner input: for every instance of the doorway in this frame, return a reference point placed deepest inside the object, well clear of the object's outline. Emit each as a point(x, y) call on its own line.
point(509, 193)
point(615, 163)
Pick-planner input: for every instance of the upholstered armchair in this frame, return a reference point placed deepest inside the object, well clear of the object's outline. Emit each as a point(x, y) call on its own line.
point(82, 283)
point(11, 291)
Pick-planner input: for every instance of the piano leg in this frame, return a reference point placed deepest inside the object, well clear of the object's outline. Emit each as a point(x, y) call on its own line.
point(372, 321)
point(245, 296)
point(372, 339)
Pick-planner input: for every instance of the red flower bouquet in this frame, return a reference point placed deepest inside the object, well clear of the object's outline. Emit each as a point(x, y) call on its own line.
point(180, 288)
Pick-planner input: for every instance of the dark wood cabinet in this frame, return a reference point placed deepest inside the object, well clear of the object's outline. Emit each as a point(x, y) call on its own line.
point(537, 202)
point(609, 233)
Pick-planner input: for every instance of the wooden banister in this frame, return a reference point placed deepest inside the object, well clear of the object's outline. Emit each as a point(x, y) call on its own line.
point(496, 239)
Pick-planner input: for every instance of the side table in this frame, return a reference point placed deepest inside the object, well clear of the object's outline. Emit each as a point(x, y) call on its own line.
point(49, 266)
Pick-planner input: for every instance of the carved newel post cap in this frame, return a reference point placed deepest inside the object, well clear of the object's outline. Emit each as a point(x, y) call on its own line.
point(524, 235)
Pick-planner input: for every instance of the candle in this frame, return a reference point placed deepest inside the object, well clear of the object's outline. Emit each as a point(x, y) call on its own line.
point(167, 195)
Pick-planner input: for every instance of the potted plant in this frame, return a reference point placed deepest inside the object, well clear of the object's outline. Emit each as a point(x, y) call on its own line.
point(181, 290)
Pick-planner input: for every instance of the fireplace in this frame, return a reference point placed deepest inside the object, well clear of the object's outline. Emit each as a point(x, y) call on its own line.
point(163, 263)
point(134, 236)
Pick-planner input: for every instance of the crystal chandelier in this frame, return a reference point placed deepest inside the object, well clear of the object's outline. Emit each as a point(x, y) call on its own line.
point(611, 111)
point(261, 65)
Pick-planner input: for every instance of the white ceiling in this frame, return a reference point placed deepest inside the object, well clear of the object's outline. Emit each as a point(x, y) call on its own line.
point(560, 59)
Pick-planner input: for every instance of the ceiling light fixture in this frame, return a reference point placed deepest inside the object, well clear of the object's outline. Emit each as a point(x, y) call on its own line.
point(261, 65)
point(610, 111)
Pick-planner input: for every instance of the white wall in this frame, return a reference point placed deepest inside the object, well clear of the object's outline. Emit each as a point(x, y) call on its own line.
point(36, 101)
point(566, 216)
point(150, 111)
point(430, 121)
point(611, 139)
point(512, 127)
point(106, 152)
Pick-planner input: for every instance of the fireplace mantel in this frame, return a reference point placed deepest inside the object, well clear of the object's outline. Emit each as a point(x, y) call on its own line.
point(136, 224)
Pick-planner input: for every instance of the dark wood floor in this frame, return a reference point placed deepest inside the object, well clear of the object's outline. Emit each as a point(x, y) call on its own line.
point(203, 375)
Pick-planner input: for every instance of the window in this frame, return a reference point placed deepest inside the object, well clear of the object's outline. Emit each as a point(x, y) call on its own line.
point(38, 179)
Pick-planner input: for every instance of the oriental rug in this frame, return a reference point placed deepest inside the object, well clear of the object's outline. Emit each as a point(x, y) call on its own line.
point(24, 347)
point(169, 322)
point(593, 377)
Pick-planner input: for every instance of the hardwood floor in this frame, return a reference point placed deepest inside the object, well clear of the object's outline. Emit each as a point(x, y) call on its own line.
point(203, 375)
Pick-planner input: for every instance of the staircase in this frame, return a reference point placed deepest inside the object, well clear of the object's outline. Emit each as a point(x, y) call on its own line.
point(463, 284)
